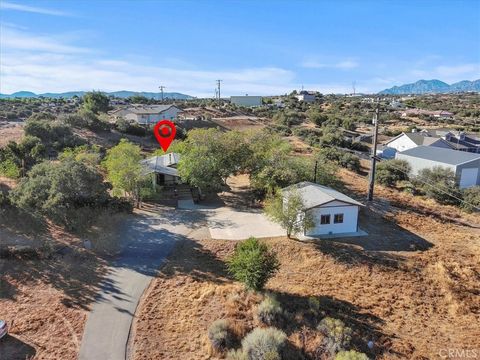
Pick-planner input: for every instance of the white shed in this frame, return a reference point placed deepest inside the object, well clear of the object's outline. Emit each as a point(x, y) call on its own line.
point(332, 211)
point(246, 100)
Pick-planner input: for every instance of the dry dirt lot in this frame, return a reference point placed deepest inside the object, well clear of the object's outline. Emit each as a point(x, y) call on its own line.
point(10, 132)
point(45, 296)
point(411, 286)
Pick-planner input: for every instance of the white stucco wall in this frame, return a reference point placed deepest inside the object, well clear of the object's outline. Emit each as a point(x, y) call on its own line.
point(146, 119)
point(350, 219)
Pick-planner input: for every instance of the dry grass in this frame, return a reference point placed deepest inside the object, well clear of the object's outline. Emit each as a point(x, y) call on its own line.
point(411, 286)
point(10, 132)
point(45, 298)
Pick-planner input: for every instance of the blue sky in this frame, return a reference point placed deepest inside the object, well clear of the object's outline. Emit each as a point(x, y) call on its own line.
point(255, 47)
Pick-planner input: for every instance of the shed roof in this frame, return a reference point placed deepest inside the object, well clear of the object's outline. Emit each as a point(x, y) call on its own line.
point(446, 156)
point(315, 195)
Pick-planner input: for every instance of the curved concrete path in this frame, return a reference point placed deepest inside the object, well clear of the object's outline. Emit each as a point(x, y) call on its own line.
point(146, 241)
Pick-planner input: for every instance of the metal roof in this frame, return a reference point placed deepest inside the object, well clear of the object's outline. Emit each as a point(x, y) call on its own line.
point(161, 164)
point(446, 156)
point(315, 195)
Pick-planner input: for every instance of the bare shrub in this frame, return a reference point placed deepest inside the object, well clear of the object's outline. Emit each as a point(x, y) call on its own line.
point(261, 344)
point(270, 311)
point(219, 334)
point(336, 335)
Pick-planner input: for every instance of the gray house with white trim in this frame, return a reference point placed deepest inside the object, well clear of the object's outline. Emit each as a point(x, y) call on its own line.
point(465, 165)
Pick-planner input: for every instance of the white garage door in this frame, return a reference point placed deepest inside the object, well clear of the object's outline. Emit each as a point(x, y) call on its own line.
point(468, 178)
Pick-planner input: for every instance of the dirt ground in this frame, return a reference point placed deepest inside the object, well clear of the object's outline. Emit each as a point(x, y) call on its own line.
point(45, 296)
point(410, 286)
point(10, 132)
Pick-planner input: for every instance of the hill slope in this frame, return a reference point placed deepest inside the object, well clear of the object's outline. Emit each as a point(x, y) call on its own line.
point(119, 94)
point(433, 87)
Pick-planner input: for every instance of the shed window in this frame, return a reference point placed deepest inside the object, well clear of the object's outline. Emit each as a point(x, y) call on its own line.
point(338, 218)
point(325, 219)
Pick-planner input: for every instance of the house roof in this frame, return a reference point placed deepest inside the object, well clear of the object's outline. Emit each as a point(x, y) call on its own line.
point(149, 109)
point(161, 164)
point(314, 195)
point(446, 156)
point(418, 139)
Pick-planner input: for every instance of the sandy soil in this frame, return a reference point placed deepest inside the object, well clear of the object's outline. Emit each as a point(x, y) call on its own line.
point(411, 286)
point(10, 132)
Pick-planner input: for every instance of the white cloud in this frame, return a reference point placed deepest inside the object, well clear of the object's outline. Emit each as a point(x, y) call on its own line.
point(449, 73)
point(46, 63)
point(6, 5)
point(316, 64)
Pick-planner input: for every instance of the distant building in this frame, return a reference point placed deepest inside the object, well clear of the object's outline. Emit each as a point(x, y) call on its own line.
point(147, 114)
point(441, 114)
point(458, 140)
point(246, 100)
point(466, 166)
point(406, 141)
point(306, 96)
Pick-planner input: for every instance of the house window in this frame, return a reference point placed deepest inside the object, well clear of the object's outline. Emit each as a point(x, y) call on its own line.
point(324, 219)
point(338, 218)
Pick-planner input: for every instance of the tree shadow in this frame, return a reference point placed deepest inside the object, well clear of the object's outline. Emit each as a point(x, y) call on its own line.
point(12, 348)
point(301, 317)
point(384, 245)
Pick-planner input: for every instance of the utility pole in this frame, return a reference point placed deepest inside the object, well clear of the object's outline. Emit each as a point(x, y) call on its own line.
point(161, 90)
point(218, 87)
point(371, 178)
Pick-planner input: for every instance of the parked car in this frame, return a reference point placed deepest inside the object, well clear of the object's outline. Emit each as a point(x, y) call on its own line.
point(3, 328)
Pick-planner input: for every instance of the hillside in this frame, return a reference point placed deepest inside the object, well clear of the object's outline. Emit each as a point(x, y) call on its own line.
point(119, 94)
point(433, 87)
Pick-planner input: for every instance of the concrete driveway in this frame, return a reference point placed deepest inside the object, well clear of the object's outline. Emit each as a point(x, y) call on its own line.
point(146, 241)
point(234, 224)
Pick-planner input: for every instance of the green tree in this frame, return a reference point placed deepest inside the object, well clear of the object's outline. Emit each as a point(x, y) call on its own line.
point(288, 210)
point(390, 172)
point(315, 115)
point(253, 263)
point(471, 197)
point(96, 102)
point(58, 189)
point(440, 184)
point(124, 170)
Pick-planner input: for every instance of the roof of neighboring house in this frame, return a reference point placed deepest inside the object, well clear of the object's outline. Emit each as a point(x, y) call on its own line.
point(314, 195)
point(419, 139)
point(161, 164)
point(144, 109)
point(446, 156)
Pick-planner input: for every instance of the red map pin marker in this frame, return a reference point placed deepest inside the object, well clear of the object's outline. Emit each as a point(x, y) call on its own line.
point(165, 132)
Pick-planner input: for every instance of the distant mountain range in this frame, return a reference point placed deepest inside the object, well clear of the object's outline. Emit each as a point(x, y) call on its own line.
point(433, 87)
point(118, 94)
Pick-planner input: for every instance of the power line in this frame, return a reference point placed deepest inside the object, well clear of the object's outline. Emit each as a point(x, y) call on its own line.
point(219, 95)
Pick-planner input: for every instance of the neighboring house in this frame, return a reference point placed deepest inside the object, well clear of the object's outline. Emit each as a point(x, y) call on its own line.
point(147, 114)
point(332, 211)
point(306, 96)
point(163, 169)
point(246, 100)
point(458, 140)
point(441, 114)
point(466, 166)
point(406, 141)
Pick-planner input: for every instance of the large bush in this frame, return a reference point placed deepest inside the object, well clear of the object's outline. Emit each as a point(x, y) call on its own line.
point(471, 199)
point(253, 263)
point(58, 189)
point(440, 184)
point(389, 172)
point(261, 344)
point(52, 133)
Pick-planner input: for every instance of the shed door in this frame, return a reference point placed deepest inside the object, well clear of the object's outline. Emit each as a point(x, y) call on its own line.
point(468, 177)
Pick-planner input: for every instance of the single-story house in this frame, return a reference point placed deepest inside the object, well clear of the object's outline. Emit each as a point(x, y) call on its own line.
point(406, 141)
point(147, 114)
point(458, 140)
point(163, 169)
point(246, 100)
point(306, 96)
point(332, 211)
point(465, 165)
